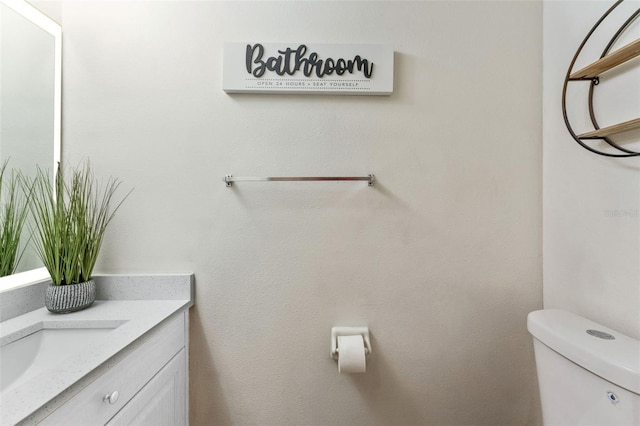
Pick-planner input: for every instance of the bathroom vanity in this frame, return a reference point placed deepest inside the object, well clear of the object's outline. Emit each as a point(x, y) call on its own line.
point(124, 360)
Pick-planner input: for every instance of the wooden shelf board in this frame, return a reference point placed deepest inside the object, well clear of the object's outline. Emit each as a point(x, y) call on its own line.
point(612, 130)
point(612, 60)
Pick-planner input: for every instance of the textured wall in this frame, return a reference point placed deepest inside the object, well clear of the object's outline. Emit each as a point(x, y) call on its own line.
point(442, 259)
point(591, 203)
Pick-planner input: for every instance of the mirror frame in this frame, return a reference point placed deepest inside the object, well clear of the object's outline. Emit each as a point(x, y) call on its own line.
point(42, 21)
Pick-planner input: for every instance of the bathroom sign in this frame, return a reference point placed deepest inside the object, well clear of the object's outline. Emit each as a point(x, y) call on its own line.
point(352, 69)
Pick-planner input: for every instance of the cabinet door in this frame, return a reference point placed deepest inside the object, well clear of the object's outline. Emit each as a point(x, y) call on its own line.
point(162, 401)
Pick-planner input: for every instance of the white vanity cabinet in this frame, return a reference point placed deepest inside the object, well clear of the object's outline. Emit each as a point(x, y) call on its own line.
point(148, 386)
point(161, 401)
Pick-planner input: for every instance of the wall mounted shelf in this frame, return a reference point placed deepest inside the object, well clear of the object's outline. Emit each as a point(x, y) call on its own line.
point(612, 130)
point(591, 73)
point(608, 62)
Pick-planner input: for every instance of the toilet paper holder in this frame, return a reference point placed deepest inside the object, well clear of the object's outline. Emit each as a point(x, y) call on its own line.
point(349, 331)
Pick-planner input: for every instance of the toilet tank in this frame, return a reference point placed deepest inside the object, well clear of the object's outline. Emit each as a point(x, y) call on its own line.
point(588, 374)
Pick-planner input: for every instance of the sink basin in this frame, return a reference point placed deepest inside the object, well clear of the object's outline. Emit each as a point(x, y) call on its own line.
point(42, 349)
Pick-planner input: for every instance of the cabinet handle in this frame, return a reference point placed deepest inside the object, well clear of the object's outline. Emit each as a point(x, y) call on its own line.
point(111, 398)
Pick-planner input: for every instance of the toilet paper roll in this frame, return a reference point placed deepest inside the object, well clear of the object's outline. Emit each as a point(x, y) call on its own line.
point(351, 356)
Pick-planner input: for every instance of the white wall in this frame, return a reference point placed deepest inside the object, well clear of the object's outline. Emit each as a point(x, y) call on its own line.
point(442, 259)
point(591, 203)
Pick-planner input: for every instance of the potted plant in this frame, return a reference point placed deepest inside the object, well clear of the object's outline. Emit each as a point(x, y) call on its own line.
point(70, 218)
point(13, 214)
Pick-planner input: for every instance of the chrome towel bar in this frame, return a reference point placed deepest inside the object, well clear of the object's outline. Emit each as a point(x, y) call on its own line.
point(229, 179)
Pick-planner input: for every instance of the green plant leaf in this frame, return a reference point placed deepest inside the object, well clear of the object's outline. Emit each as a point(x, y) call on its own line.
point(71, 216)
point(13, 214)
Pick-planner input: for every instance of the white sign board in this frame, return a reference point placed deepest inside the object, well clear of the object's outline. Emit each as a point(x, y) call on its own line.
point(353, 69)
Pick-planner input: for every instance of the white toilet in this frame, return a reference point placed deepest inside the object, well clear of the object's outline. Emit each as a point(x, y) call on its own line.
point(588, 374)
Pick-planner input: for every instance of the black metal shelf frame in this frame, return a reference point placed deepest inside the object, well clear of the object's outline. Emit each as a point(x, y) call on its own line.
point(593, 83)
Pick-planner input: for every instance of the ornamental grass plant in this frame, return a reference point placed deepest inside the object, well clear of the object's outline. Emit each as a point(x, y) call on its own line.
point(13, 214)
point(70, 217)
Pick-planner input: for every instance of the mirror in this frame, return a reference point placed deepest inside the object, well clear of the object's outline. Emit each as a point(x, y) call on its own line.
point(30, 103)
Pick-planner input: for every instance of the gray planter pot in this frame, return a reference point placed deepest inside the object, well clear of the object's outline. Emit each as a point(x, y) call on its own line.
point(62, 299)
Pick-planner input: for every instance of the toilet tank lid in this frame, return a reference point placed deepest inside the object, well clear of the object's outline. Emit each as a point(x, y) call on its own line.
point(617, 360)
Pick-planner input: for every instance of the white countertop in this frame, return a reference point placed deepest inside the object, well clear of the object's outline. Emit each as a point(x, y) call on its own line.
point(135, 318)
